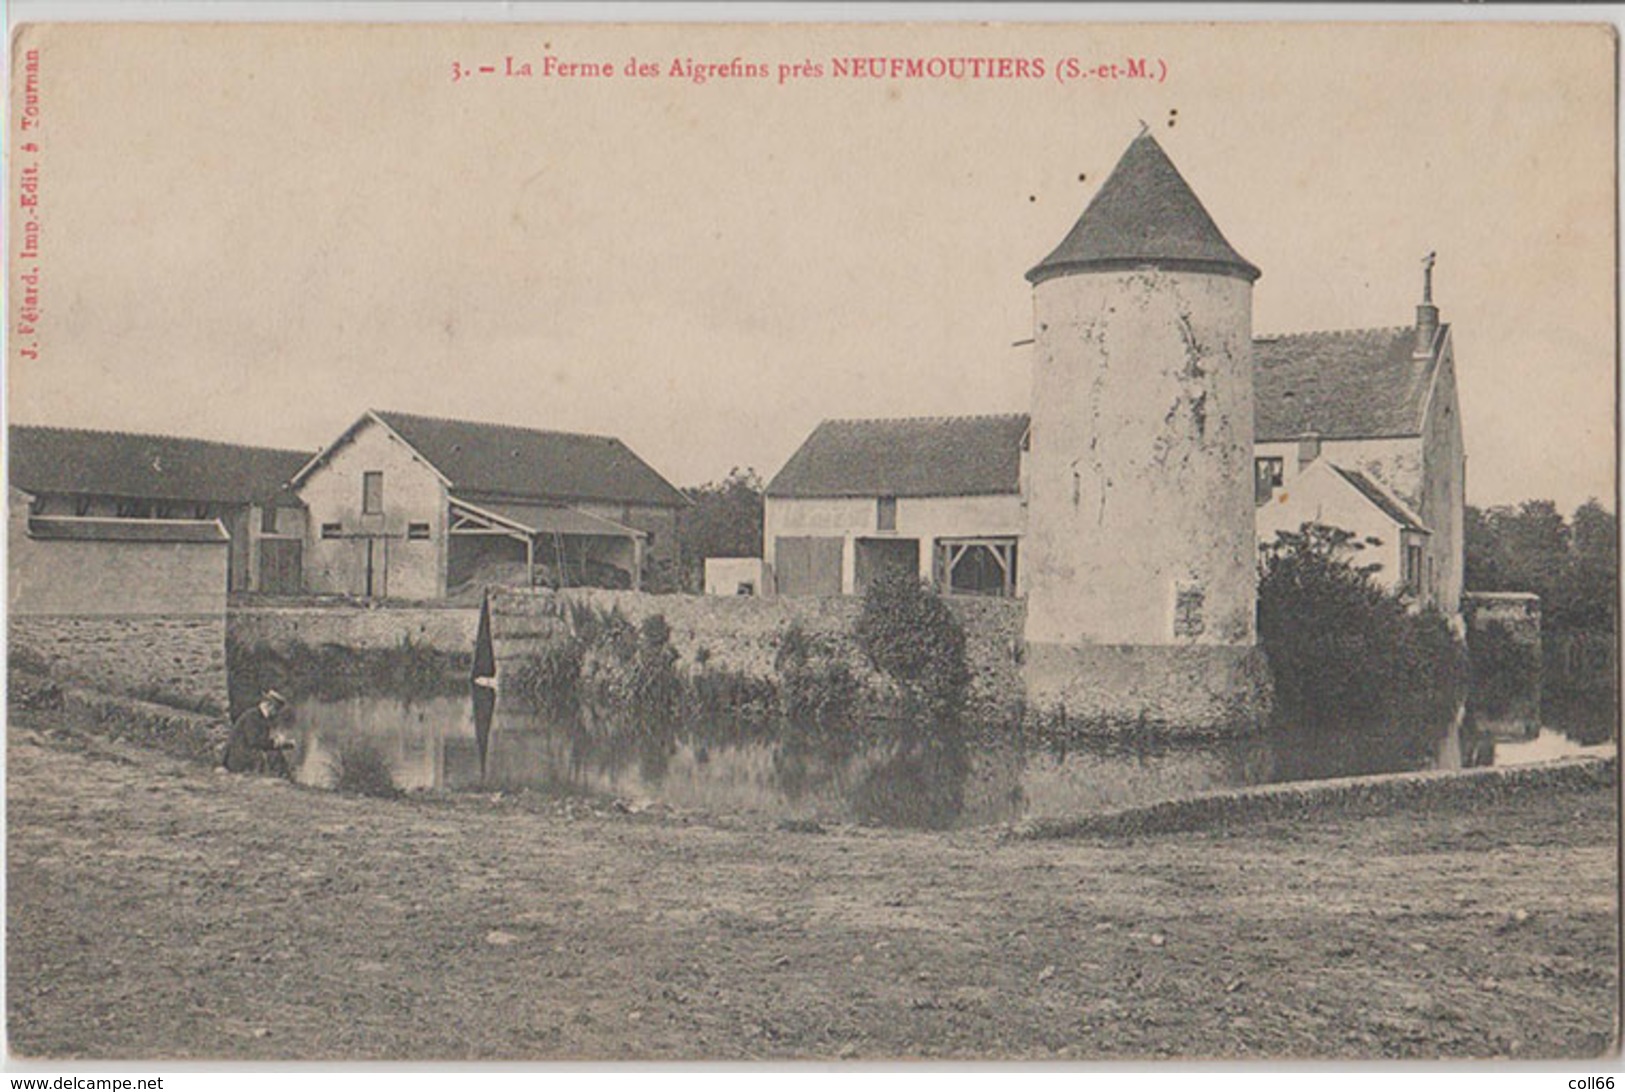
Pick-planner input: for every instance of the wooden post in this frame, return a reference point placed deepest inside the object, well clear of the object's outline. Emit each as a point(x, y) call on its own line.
point(530, 561)
point(637, 563)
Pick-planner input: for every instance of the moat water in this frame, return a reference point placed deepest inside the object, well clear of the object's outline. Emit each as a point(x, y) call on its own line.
point(885, 775)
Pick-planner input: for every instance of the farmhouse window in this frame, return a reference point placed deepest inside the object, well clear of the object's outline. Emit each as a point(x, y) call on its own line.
point(886, 514)
point(372, 492)
point(1413, 568)
point(417, 530)
point(268, 520)
point(332, 530)
point(1267, 475)
point(1189, 602)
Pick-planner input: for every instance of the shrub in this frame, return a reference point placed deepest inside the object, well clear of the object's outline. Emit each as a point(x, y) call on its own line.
point(1341, 649)
point(360, 767)
point(714, 696)
point(333, 671)
point(816, 688)
point(908, 633)
point(654, 688)
point(549, 678)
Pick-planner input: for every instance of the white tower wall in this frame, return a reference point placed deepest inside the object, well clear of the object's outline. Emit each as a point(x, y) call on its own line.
point(1140, 507)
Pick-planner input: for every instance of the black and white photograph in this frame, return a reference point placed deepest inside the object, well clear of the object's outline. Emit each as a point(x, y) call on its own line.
point(858, 543)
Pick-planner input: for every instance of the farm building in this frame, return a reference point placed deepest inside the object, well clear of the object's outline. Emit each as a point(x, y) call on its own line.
point(1388, 533)
point(1380, 404)
point(941, 496)
point(124, 605)
point(930, 491)
point(86, 474)
point(412, 507)
point(1357, 427)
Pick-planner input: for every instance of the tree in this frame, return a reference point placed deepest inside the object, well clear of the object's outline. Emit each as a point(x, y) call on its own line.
point(725, 520)
point(1594, 543)
point(1530, 547)
point(1342, 650)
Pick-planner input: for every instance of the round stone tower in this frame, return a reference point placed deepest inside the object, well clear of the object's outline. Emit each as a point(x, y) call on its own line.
point(1140, 554)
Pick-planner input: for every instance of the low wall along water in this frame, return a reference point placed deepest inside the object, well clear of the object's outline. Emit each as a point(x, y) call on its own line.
point(176, 660)
point(741, 634)
point(444, 629)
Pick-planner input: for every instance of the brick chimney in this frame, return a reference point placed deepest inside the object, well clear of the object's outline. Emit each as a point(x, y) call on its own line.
point(1427, 315)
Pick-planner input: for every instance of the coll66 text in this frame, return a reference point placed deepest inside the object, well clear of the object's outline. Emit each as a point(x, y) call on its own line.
point(1590, 1084)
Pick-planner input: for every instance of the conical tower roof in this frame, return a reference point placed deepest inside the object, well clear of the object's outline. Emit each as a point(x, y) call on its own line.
point(1145, 214)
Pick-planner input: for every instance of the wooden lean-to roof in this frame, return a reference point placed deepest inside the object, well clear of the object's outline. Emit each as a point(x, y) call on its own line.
point(85, 462)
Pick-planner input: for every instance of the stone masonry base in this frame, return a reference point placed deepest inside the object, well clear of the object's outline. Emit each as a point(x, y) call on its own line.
point(1192, 689)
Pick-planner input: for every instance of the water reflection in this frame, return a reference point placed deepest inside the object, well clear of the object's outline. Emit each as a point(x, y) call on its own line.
point(881, 773)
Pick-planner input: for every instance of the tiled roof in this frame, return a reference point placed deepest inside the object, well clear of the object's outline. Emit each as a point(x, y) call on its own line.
point(1390, 505)
point(479, 458)
point(1342, 384)
point(97, 529)
point(1144, 214)
point(127, 464)
point(908, 457)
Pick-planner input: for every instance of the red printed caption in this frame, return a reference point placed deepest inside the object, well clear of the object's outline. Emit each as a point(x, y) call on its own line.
point(25, 263)
point(952, 69)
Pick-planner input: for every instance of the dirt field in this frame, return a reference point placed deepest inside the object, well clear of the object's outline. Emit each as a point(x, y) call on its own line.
point(161, 910)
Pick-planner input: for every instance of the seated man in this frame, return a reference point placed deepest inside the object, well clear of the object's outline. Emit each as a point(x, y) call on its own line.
point(253, 748)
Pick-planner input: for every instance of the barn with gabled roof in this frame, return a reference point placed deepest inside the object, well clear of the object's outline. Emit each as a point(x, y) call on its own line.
point(408, 506)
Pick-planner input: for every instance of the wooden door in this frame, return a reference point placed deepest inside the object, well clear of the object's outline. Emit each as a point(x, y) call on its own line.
point(281, 571)
point(807, 566)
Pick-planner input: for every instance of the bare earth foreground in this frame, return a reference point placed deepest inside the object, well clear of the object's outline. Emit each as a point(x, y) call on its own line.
point(161, 910)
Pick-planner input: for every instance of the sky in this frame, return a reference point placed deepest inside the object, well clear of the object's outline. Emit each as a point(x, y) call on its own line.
point(254, 233)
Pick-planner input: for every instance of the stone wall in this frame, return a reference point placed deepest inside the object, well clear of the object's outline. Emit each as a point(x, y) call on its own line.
point(1190, 691)
point(141, 619)
point(445, 629)
point(176, 661)
point(741, 633)
point(1315, 801)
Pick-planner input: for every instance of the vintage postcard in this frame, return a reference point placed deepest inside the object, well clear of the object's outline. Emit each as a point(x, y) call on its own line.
point(1071, 542)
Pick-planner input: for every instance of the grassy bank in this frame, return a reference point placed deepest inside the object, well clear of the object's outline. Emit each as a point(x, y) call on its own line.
point(159, 910)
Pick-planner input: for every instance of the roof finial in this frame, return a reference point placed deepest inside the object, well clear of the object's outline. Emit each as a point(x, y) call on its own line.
point(1144, 128)
point(1427, 315)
